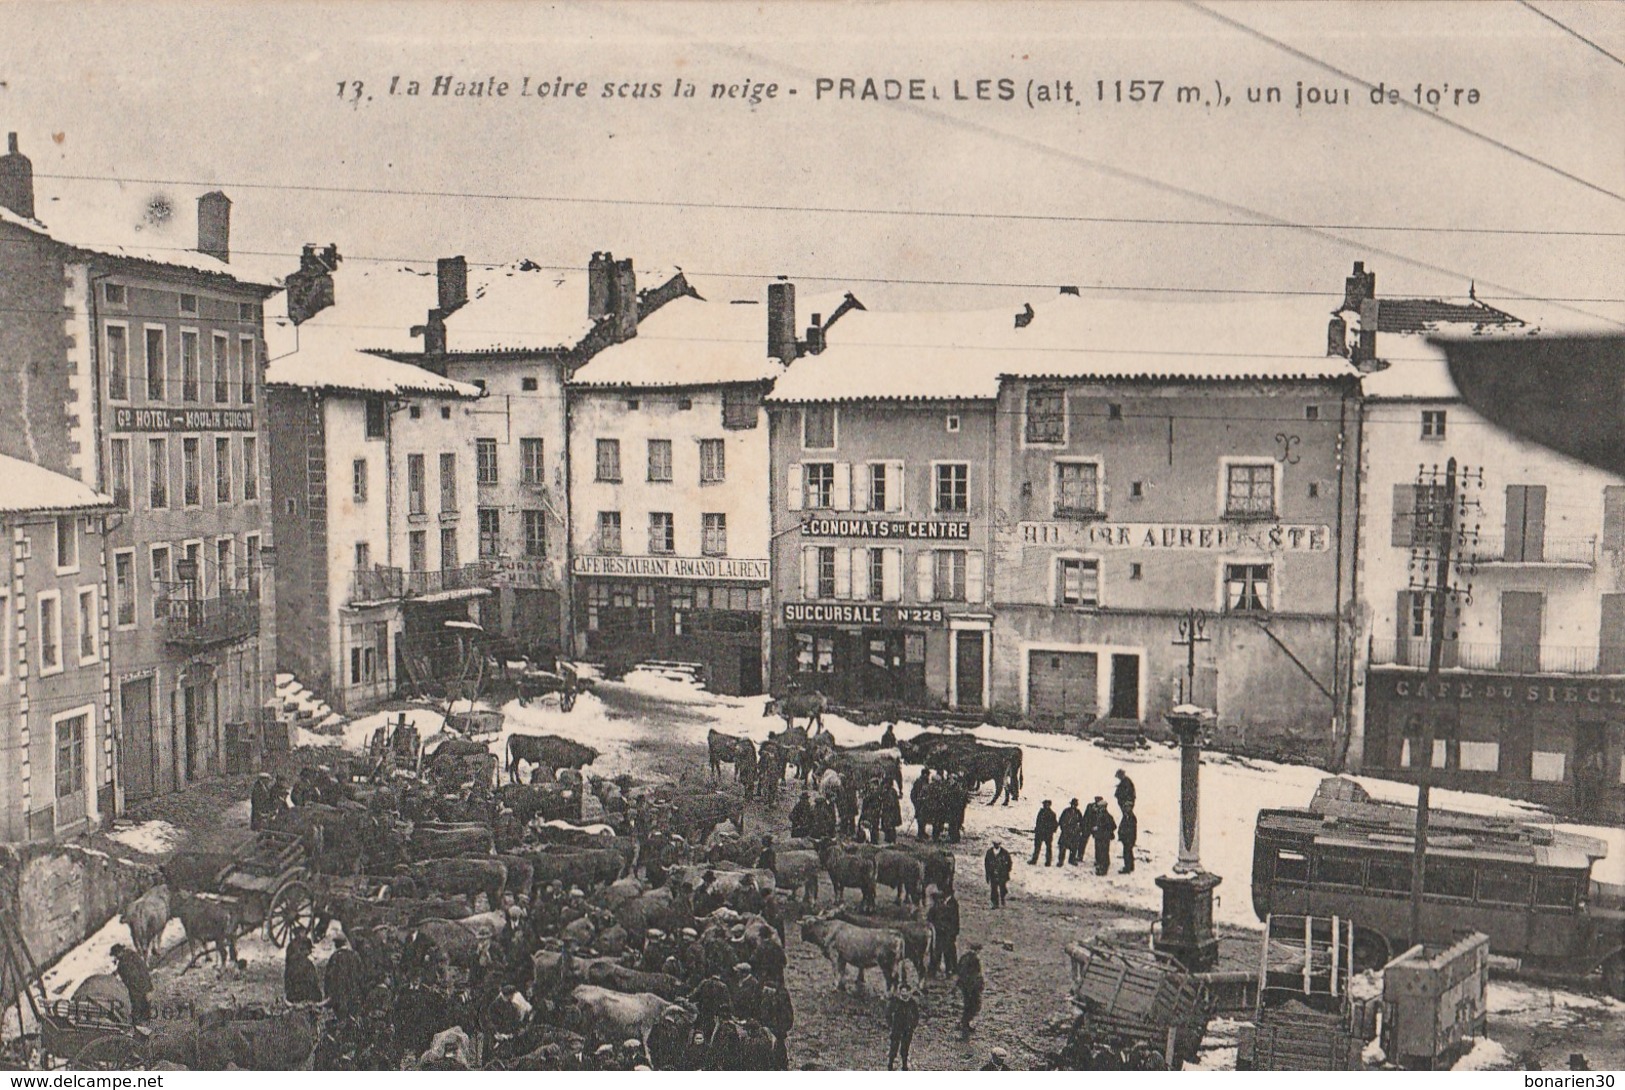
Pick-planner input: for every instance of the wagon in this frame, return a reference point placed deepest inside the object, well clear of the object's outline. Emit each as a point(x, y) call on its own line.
point(1135, 1007)
point(78, 1033)
point(475, 723)
point(267, 882)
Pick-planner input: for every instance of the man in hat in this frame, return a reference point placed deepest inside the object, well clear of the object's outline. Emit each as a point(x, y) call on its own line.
point(259, 802)
point(997, 1060)
point(300, 984)
point(746, 994)
point(767, 859)
point(970, 988)
point(996, 865)
point(801, 815)
point(779, 1016)
point(1125, 790)
point(943, 916)
point(137, 981)
point(1044, 834)
point(1071, 843)
point(1103, 829)
point(344, 978)
point(1128, 831)
point(902, 1011)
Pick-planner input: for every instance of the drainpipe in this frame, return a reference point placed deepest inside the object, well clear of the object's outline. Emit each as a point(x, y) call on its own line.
point(1340, 699)
point(1354, 581)
point(567, 579)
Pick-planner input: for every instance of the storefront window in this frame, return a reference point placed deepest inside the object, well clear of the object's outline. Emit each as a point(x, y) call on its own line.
point(826, 654)
point(804, 653)
point(914, 647)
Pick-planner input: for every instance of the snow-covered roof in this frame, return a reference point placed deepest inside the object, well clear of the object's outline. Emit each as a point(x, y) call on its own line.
point(521, 306)
point(963, 355)
point(1441, 314)
point(28, 487)
point(138, 228)
point(347, 370)
point(705, 341)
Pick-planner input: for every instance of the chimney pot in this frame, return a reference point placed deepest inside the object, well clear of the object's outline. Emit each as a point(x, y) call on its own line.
point(11, 142)
point(599, 288)
point(451, 279)
point(781, 321)
point(17, 180)
point(214, 225)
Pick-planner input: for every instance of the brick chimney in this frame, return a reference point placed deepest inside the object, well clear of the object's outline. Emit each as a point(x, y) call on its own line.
point(781, 321)
point(599, 285)
point(624, 299)
point(1359, 287)
point(214, 225)
point(17, 180)
point(310, 289)
point(451, 276)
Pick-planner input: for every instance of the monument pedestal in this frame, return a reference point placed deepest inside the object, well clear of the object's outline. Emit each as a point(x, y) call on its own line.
point(1187, 919)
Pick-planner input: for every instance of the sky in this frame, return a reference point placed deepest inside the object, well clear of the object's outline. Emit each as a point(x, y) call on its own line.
point(934, 203)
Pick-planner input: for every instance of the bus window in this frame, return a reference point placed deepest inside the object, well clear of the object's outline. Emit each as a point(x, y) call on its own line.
point(1556, 890)
point(1333, 870)
point(1448, 880)
point(1391, 875)
point(1503, 885)
point(1291, 866)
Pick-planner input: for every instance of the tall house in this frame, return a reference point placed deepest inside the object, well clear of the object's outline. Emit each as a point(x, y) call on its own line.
point(373, 467)
point(882, 435)
point(138, 372)
point(1530, 700)
point(58, 752)
point(669, 490)
point(1164, 467)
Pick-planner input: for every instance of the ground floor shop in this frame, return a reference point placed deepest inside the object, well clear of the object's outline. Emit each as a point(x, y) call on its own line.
point(363, 668)
point(1554, 739)
point(624, 621)
point(442, 637)
point(1268, 677)
point(919, 656)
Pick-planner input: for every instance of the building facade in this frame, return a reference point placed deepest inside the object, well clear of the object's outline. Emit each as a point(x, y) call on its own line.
point(141, 374)
point(669, 488)
point(58, 750)
point(1530, 697)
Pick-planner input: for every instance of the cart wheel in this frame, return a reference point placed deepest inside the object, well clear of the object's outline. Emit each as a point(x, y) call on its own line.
point(567, 699)
point(109, 1052)
point(1613, 976)
point(293, 906)
point(1370, 951)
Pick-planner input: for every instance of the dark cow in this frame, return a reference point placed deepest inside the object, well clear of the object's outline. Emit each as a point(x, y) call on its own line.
point(792, 706)
point(903, 873)
point(282, 1042)
point(196, 872)
point(915, 750)
point(938, 863)
point(860, 767)
point(980, 764)
point(918, 936)
point(939, 806)
point(206, 923)
point(360, 914)
point(848, 870)
point(609, 973)
point(549, 801)
point(693, 817)
point(430, 843)
point(584, 868)
point(547, 751)
point(464, 877)
point(729, 749)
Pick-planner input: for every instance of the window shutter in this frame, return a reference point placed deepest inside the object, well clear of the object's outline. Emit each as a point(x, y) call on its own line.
point(894, 486)
point(843, 573)
point(924, 571)
point(860, 573)
point(975, 577)
point(1534, 522)
point(891, 571)
point(1515, 518)
point(1613, 517)
point(793, 488)
point(842, 499)
point(1404, 515)
point(1402, 629)
point(860, 487)
point(809, 572)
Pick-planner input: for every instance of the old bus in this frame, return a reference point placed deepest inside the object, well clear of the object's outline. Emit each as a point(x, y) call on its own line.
point(1528, 887)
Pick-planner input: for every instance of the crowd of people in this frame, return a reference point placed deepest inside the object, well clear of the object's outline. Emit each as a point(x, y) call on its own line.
point(1063, 838)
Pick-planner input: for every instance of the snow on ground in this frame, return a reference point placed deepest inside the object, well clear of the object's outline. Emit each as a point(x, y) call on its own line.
point(149, 837)
point(1533, 1003)
point(1485, 1055)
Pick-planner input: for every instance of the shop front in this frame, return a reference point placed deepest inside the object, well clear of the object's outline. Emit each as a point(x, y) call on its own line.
point(858, 653)
point(705, 611)
point(1556, 740)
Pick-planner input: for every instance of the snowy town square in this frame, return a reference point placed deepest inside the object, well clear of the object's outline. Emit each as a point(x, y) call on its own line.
point(607, 537)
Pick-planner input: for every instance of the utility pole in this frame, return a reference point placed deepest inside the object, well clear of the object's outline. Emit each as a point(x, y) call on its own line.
point(1192, 631)
point(1439, 528)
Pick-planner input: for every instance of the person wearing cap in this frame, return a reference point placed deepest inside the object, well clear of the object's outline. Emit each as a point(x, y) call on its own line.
point(344, 978)
point(943, 916)
point(1103, 829)
point(603, 1059)
point(767, 859)
point(997, 1060)
point(996, 865)
point(1128, 831)
point(801, 815)
point(132, 971)
point(631, 1054)
point(300, 984)
point(1125, 790)
point(902, 1011)
point(711, 1003)
point(746, 994)
point(1071, 842)
point(969, 976)
point(778, 1014)
point(1044, 827)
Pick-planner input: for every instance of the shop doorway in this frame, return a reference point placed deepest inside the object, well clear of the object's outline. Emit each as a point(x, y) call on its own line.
point(1125, 687)
point(1063, 684)
point(136, 726)
point(969, 651)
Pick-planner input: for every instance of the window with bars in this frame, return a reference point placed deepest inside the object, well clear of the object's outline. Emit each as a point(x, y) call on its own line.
point(416, 485)
point(119, 469)
point(713, 461)
point(417, 551)
point(660, 459)
point(1046, 416)
point(222, 470)
point(191, 472)
point(948, 583)
point(1249, 490)
point(222, 368)
point(1077, 582)
point(530, 461)
point(157, 474)
point(535, 533)
point(1077, 490)
point(826, 572)
point(118, 362)
point(1246, 588)
point(248, 367)
point(160, 577)
point(818, 427)
point(251, 469)
point(89, 625)
point(50, 632)
point(819, 487)
point(662, 532)
point(189, 366)
point(157, 364)
point(953, 487)
point(485, 461)
point(609, 460)
point(70, 756)
point(714, 534)
point(877, 575)
point(448, 547)
point(358, 480)
point(448, 482)
point(609, 533)
point(490, 533)
point(124, 605)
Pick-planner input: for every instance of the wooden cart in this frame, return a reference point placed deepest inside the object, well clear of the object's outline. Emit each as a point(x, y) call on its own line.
point(1136, 1009)
point(1305, 1020)
point(82, 1034)
point(267, 882)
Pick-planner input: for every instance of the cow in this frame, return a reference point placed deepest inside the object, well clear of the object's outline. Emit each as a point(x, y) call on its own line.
point(360, 914)
point(797, 749)
point(940, 806)
point(669, 908)
point(694, 817)
point(548, 801)
point(465, 947)
point(916, 749)
point(521, 874)
point(609, 973)
point(547, 751)
point(586, 867)
point(431, 843)
point(206, 923)
point(731, 749)
point(903, 873)
point(146, 917)
point(789, 707)
point(848, 870)
point(938, 863)
point(860, 947)
point(798, 869)
point(859, 768)
point(976, 765)
point(196, 872)
point(918, 936)
point(464, 877)
point(282, 1042)
point(610, 1017)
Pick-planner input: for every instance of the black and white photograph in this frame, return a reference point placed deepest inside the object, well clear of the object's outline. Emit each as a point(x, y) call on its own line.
point(856, 535)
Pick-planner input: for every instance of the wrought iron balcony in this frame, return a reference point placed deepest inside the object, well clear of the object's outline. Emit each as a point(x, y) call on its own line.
point(378, 584)
point(461, 577)
point(1493, 658)
point(1552, 552)
point(197, 622)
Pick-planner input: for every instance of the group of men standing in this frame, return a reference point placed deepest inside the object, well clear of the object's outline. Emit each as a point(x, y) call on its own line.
point(1092, 823)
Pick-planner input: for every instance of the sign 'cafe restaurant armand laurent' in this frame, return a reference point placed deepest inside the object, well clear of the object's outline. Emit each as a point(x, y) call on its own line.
point(694, 609)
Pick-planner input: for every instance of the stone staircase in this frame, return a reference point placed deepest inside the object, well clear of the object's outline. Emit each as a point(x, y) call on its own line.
point(297, 706)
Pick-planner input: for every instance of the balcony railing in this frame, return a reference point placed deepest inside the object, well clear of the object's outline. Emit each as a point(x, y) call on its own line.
point(1496, 659)
point(382, 584)
point(1569, 551)
point(196, 622)
point(376, 584)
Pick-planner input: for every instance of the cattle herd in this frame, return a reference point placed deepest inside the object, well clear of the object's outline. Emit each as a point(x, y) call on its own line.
point(576, 922)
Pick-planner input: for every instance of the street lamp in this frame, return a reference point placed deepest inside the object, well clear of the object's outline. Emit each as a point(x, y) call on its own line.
point(1187, 893)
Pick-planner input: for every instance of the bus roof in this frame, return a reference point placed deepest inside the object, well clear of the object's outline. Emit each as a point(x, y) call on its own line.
point(1342, 814)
